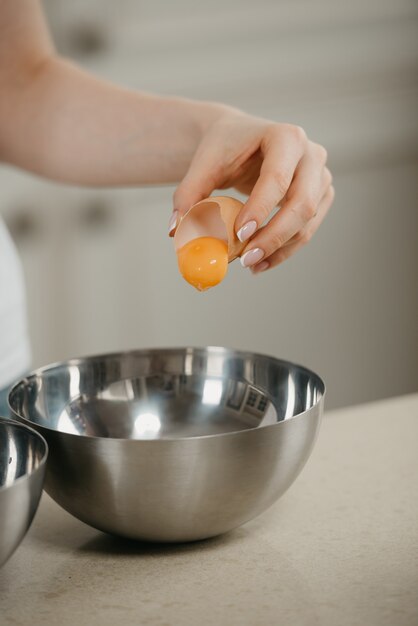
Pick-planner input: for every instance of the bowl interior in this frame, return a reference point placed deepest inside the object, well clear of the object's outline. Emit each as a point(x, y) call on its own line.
point(165, 393)
point(167, 406)
point(21, 452)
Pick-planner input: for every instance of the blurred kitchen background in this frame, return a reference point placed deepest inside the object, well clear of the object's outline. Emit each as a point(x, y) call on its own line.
point(101, 273)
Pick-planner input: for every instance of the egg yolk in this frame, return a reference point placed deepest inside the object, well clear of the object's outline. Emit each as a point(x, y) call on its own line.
point(203, 262)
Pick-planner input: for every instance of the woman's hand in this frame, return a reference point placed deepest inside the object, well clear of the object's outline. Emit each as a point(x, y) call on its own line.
point(276, 165)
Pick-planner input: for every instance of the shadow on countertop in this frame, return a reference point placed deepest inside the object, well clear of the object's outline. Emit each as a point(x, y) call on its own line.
point(64, 533)
point(121, 546)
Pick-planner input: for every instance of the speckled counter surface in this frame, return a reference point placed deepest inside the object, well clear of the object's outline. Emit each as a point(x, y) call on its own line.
point(339, 548)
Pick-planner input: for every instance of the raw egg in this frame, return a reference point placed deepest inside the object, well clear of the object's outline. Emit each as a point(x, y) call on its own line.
point(205, 241)
point(203, 262)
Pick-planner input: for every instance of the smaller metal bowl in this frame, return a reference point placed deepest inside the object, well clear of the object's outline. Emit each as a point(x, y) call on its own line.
point(23, 455)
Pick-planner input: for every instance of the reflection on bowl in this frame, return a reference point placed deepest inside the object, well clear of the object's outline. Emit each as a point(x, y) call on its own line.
point(171, 444)
point(23, 454)
point(167, 406)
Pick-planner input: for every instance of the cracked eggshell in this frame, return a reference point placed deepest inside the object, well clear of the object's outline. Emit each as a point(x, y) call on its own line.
point(211, 217)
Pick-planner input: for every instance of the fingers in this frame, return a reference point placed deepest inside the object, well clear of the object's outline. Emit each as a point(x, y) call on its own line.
point(301, 239)
point(283, 148)
point(198, 184)
point(283, 168)
point(326, 184)
point(298, 208)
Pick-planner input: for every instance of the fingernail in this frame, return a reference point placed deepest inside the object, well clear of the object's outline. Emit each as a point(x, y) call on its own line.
point(247, 230)
point(173, 222)
point(251, 257)
point(260, 267)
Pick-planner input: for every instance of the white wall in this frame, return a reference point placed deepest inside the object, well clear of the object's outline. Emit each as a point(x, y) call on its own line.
point(100, 270)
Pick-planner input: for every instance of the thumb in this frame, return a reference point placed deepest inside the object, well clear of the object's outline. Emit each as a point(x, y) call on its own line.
point(197, 185)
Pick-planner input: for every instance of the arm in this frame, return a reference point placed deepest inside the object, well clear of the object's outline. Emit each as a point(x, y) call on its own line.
point(63, 123)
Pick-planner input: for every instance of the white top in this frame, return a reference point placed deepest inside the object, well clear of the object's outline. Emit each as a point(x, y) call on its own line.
point(338, 549)
point(14, 339)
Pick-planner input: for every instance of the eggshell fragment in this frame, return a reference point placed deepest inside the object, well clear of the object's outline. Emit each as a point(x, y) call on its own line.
point(211, 217)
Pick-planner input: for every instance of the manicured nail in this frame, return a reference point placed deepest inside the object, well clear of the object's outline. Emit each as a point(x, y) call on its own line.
point(251, 257)
point(260, 267)
point(247, 230)
point(173, 222)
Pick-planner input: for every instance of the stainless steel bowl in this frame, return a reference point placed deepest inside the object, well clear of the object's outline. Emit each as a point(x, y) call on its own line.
point(23, 454)
point(171, 444)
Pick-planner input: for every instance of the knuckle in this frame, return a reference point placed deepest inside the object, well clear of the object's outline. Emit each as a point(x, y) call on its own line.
point(281, 180)
point(178, 191)
point(274, 133)
point(178, 196)
point(307, 209)
point(295, 239)
point(299, 134)
point(298, 237)
point(328, 177)
point(291, 130)
point(330, 197)
point(321, 153)
point(305, 237)
point(275, 129)
point(262, 212)
point(280, 257)
point(276, 241)
point(211, 180)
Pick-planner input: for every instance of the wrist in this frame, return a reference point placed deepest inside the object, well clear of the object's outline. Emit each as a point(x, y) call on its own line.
point(206, 114)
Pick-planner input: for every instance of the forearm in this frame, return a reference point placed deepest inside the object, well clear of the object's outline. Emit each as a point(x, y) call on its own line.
point(65, 124)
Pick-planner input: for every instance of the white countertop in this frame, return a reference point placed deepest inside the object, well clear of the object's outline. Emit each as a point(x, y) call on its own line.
point(339, 548)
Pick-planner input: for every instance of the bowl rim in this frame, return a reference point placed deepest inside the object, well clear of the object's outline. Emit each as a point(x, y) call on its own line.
point(40, 467)
point(173, 349)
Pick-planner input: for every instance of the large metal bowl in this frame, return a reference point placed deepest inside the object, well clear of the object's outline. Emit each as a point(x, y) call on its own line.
point(171, 444)
point(23, 454)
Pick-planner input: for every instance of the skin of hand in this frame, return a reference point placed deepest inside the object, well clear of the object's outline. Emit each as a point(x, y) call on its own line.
point(60, 122)
point(276, 165)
